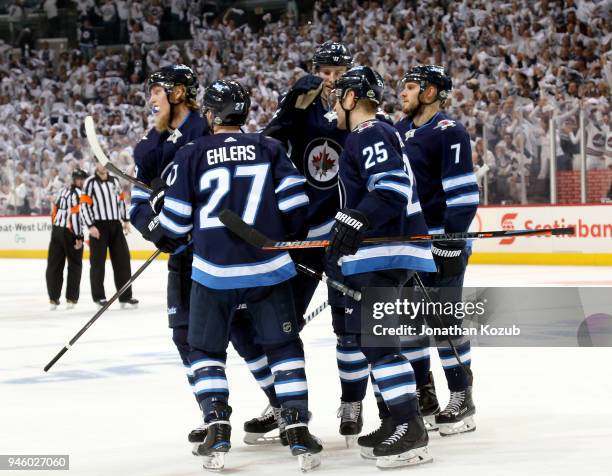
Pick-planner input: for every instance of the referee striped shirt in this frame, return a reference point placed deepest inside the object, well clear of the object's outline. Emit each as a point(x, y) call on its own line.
point(66, 210)
point(102, 200)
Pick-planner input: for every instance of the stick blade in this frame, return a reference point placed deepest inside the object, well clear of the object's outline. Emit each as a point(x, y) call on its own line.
point(92, 138)
point(570, 230)
point(242, 229)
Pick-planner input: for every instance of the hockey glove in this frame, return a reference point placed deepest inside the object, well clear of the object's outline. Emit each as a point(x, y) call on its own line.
point(303, 93)
point(155, 234)
point(156, 199)
point(448, 256)
point(347, 233)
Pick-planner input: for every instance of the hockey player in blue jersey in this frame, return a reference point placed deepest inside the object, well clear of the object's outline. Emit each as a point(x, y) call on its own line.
point(251, 175)
point(304, 124)
point(173, 91)
point(439, 151)
point(378, 199)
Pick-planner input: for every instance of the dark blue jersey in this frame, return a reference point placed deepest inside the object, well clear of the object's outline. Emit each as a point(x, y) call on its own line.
point(376, 179)
point(153, 156)
point(314, 143)
point(251, 175)
point(441, 157)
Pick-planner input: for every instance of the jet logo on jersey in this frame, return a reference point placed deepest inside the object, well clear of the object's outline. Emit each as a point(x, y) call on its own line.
point(410, 134)
point(445, 124)
point(322, 156)
point(176, 135)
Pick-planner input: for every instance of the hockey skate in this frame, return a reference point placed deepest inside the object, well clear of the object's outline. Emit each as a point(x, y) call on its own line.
point(351, 421)
point(368, 442)
point(407, 446)
point(255, 430)
point(217, 440)
point(428, 403)
point(70, 304)
point(301, 442)
point(196, 437)
point(53, 305)
point(130, 304)
point(458, 416)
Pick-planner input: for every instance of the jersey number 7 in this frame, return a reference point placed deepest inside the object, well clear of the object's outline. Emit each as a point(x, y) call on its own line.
point(219, 180)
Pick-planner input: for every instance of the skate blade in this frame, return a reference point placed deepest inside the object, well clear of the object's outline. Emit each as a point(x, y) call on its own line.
point(260, 439)
point(214, 461)
point(366, 452)
point(194, 448)
point(430, 423)
point(309, 461)
point(350, 440)
point(409, 458)
point(464, 426)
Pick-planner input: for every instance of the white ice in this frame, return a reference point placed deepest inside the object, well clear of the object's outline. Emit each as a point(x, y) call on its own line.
point(118, 402)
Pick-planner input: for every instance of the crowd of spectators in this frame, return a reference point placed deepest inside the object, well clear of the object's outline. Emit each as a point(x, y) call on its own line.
point(515, 65)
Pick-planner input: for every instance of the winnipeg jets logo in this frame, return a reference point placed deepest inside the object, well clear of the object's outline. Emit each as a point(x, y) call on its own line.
point(445, 124)
point(410, 134)
point(321, 157)
point(176, 135)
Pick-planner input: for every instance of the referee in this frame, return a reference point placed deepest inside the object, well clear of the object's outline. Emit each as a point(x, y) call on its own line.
point(103, 210)
point(66, 243)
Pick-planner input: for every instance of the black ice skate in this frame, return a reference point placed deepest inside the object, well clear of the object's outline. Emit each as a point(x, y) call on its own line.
point(217, 440)
point(351, 421)
point(301, 442)
point(196, 437)
point(407, 446)
point(368, 442)
point(458, 416)
point(428, 403)
point(256, 429)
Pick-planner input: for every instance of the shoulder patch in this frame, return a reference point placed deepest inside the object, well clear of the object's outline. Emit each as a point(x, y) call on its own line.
point(445, 124)
point(365, 125)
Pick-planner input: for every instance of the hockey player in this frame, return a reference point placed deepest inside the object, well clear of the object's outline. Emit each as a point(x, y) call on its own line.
point(304, 123)
point(173, 91)
point(66, 243)
point(251, 175)
point(440, 154)
point(378, 198)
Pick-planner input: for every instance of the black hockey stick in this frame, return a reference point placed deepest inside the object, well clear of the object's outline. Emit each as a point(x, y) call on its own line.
point(92, 138)
point(101, 311)
point(249, 234)
point(465, 368)
point(338, 286)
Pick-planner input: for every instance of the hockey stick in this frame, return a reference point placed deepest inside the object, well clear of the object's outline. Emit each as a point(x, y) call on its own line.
point(338, 286)
point(94, 143)
point(259, 240)
point(465, 368)
point(315, 312)
point(101, 311)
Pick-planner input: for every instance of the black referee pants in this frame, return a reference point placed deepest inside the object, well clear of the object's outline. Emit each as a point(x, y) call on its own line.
point(113, 240)
point(61, 248)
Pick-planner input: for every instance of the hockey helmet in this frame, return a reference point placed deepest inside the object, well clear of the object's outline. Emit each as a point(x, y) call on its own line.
point(332, 53)
point(366, 82)
point(229, 102)
point(79, 174)
point(430, 74)
point(169, 76)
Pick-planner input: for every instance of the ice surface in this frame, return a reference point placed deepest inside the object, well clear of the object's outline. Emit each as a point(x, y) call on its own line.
point(118, 402)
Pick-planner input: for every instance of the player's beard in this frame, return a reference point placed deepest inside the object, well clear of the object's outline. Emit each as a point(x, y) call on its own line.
point(162, 121)
point(411, 109)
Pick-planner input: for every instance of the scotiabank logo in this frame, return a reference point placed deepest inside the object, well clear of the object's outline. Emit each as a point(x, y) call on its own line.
point(507, 224)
